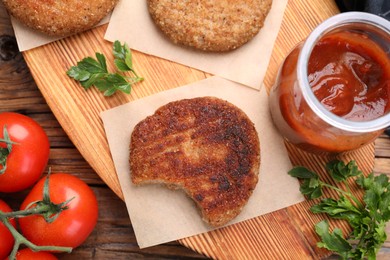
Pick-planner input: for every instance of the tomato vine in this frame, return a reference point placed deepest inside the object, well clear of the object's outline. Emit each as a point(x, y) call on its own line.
point(47, 209)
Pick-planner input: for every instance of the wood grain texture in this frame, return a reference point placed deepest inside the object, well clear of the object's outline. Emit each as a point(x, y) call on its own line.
point(113, 236)
point(285, 234)
point(78, 110)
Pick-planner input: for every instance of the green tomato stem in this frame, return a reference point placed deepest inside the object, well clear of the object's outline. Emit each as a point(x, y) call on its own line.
point(20, 239)
point(47, 209)
point(133, 80)
point(348, 194)
point(360, 205)
point(43, 208)
point(138, 78)
point(4, 152)
point(6, 141)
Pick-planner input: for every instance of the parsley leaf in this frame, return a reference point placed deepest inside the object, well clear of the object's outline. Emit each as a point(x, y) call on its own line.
point(340, 172)
point(332, 241)
point(123, 57)
point(93, 72)
point(311, 187)
point(368, 218)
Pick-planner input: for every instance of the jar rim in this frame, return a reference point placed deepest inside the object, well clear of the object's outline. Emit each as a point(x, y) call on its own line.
point(302, 74)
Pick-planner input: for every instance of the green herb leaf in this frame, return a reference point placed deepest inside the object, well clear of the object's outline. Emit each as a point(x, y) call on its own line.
point(339, 209)
point(302, 173)
point(367, 219)
point(121, 65)
point(93, 66)
point(119, 51)
point(92, 80)
point(332, 241)
point(93, 72)
point(102, 61)
point(377, 196)
point(123, 56)
point(340, 172)
point(311, 186)
point(78, 74)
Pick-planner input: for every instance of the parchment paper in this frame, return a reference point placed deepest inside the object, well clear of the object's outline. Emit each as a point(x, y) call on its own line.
point(131, 23)
point(160, 215)
point(28, 38)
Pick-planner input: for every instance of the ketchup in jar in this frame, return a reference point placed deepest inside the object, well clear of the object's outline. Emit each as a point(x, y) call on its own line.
point(332, 93)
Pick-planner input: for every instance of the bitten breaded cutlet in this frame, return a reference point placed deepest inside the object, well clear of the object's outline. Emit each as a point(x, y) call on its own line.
point(205, 146)
point(210, 25)
point(59, 17)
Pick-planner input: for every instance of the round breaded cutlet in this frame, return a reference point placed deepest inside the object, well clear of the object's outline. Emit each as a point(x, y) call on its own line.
point(210, 25)
point(205, 146)
point(59, 17)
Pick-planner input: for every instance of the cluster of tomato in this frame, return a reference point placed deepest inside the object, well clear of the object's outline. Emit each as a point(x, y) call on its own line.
point(25, 164)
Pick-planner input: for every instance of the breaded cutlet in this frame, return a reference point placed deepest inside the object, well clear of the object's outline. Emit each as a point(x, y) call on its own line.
point(205, 146)
point(210, 25)
point(59, 17)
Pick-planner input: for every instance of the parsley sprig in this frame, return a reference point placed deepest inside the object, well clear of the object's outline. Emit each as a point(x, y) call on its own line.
point(367, 218)
point(93, 72)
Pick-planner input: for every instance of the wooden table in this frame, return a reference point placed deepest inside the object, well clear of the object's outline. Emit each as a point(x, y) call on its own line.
point(113, 236)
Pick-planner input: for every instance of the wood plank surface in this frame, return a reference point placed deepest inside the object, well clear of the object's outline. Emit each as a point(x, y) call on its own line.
point(113, 236)
point(285, 234)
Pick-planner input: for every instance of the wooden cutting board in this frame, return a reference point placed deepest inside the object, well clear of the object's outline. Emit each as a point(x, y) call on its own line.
point(284, 234)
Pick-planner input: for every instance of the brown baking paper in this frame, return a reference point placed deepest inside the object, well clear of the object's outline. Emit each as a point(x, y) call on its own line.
point(28, 38)
point(160, 215)
point(131, 23)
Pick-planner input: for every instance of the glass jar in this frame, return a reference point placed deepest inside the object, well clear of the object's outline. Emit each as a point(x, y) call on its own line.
point(317, 125)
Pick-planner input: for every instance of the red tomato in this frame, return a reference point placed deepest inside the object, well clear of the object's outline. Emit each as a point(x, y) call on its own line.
point(29, 157)
point(74, 224)
point(28, 254)
point(6, 238)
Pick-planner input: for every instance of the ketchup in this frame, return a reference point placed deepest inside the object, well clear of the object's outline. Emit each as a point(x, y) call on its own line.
point(350, 75)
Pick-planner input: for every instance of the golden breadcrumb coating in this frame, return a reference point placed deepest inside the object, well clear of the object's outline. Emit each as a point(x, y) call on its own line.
point(210, 25)
point(59, 17)
point(206, 146)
